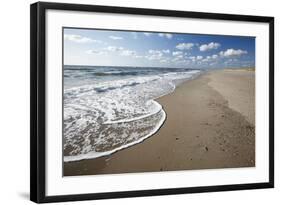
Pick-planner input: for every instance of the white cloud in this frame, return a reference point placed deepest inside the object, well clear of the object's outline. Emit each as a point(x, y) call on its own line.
point(95, 52)
point(231, 62)
point(185, 46)
point(166, 51)
point(147, 34)
point(179, 57)
point(121, 51)
point(128, 53)
point(153, 51)
point(154, 55)
point(213, 63)
point(179, 61)
point(135, 35)
point(210, 59)
point(167, 35)
point(116, 37)
point(79, 39)
point(137, 56)
point(199, 57)
point(193, 58)
point(215, 56)
point(164, 60)
point(232, 53)
point(114, 48)
point(177, 53)
point(210, 46)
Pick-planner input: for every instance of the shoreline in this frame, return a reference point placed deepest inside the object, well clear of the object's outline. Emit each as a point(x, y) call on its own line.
point(205, 129)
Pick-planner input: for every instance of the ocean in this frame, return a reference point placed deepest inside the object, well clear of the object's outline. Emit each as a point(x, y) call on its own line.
point(107, 109)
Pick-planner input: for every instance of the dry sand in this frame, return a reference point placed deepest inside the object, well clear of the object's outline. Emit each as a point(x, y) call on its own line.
point(210, 124)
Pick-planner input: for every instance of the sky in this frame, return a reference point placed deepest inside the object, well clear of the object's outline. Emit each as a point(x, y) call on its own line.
point(156, 49)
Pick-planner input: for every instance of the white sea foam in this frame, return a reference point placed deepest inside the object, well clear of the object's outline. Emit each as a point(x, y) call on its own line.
point(105, 117)
point(94, 154)
point(157, 109)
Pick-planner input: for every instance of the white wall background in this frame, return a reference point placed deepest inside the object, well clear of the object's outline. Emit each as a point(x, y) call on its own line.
point(14, 103)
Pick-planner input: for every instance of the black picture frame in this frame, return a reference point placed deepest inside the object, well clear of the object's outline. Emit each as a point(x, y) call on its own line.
point(38, 101)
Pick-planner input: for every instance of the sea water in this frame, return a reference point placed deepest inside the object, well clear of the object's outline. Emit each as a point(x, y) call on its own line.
point(107, 109)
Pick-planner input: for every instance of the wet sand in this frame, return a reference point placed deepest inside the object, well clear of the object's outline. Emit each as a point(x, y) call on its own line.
point(210, 124)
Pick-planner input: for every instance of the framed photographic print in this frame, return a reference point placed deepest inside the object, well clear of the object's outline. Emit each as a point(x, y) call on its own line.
point(129, 102)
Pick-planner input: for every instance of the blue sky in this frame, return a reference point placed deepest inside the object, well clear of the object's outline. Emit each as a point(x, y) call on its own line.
point(152, 49)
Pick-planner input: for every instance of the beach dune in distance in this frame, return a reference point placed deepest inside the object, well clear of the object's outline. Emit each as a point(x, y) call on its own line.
point(210, 124)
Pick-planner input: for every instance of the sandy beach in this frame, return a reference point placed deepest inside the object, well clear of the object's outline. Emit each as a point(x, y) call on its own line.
point(210, 124)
